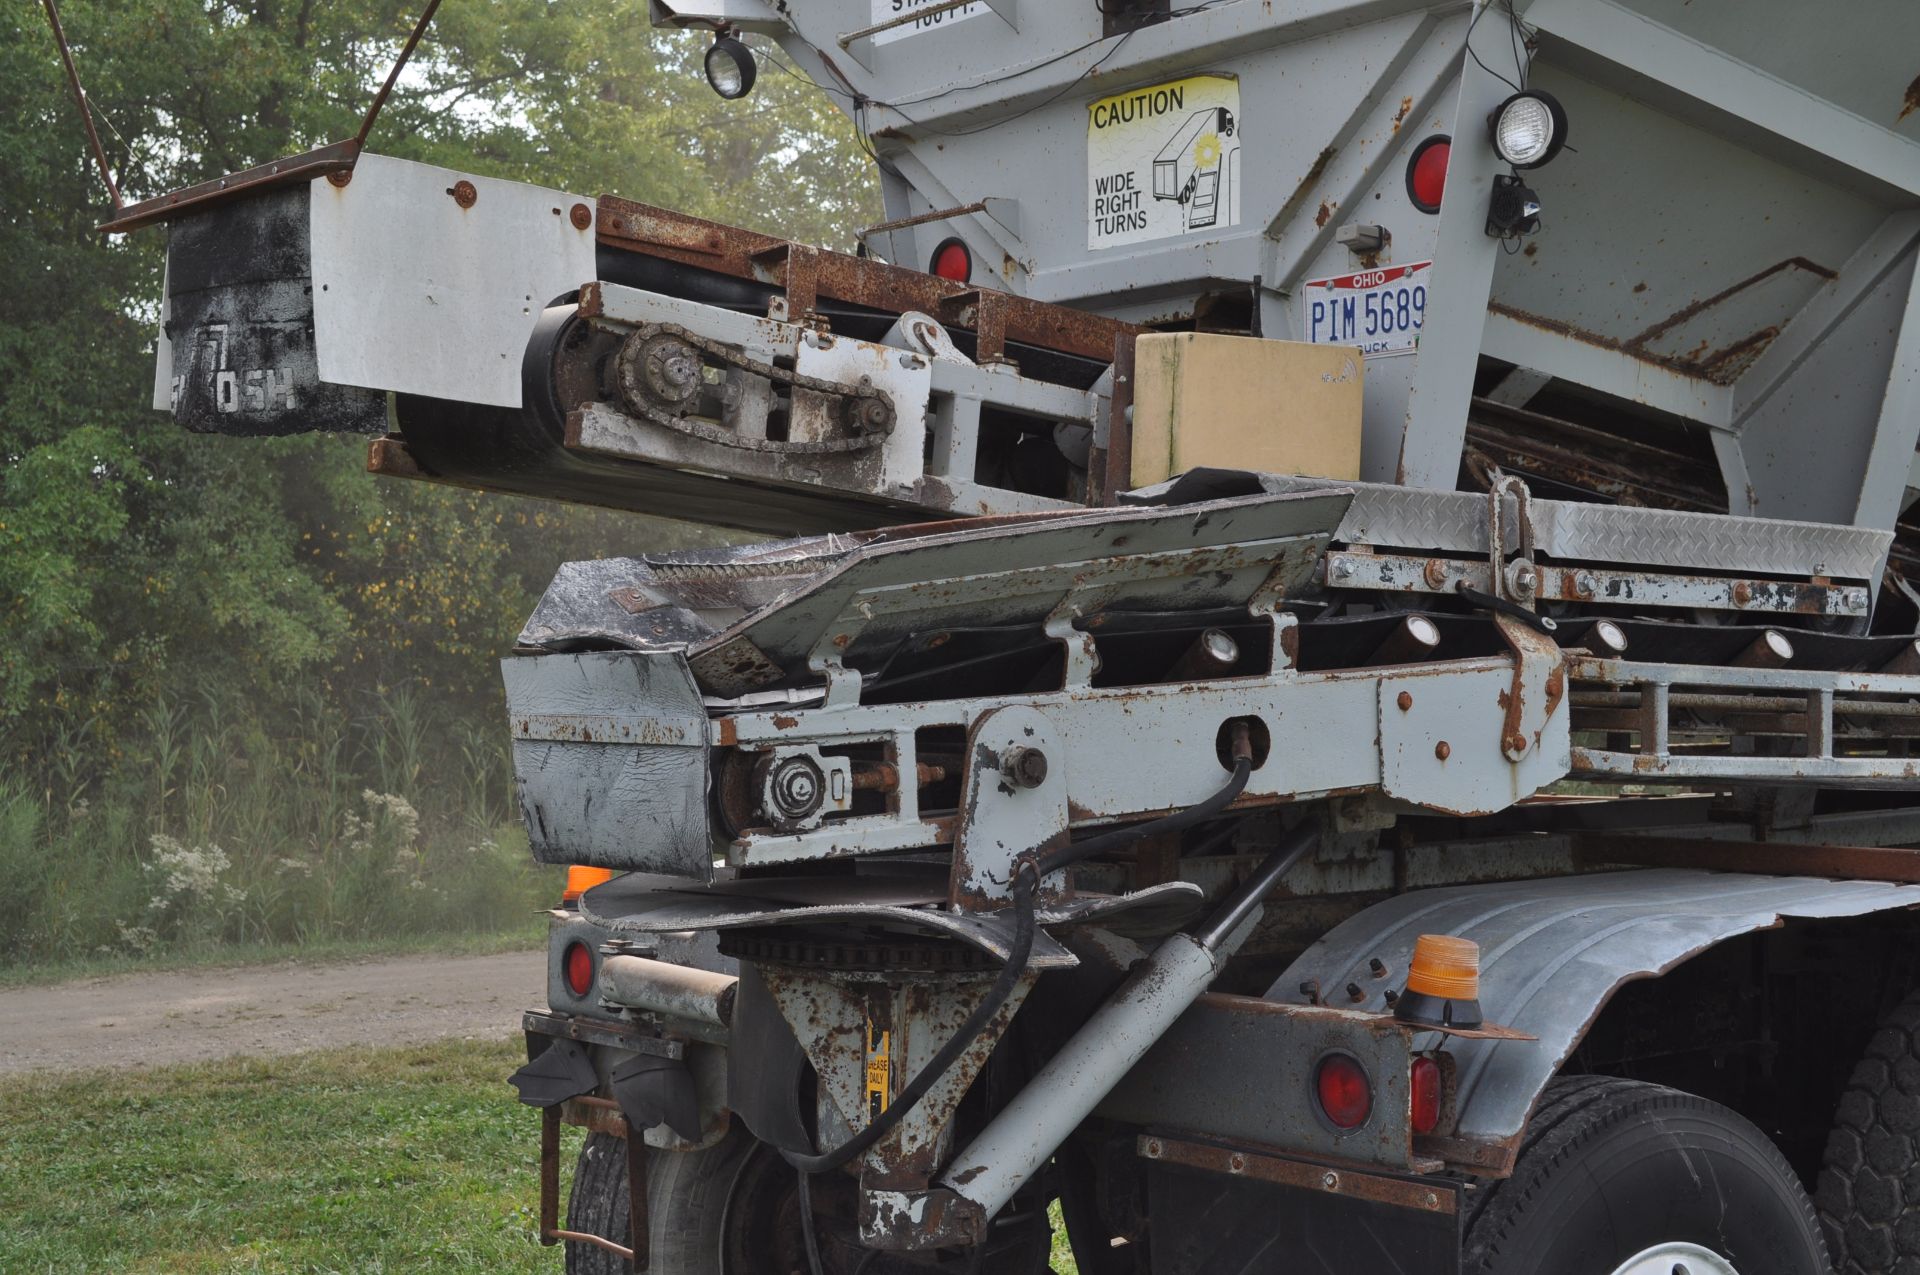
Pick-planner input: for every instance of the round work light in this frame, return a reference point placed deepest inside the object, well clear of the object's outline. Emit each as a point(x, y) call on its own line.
point(1528, 128)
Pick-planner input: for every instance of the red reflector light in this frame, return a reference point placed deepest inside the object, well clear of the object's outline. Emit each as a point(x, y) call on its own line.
point(1423, 1088)
point(952, 260)
point(1345, 1093)
point(578, 964)
point(1427, 172)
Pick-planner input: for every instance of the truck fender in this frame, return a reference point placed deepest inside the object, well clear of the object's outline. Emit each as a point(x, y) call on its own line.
point(1552, 953)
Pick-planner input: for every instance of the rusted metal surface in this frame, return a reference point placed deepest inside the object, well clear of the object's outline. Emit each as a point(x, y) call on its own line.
point(869, 1032)
point(597, 1032)
point(1803, 703)
point(1624, 470)
point(585, 1237)
point(924, 1219)
point(1268, 1050)
point(1852, 863)
point(1115, 475)
point(1331, 1177)
point(335, 157)
point(595, 1115)
point(674, 991)
point(1720, 365)
point(807, 273)
point(549, 1174)
point(1622, 925)
point(922, 219)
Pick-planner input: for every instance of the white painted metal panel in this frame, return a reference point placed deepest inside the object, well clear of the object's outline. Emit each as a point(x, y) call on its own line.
point(416, 294)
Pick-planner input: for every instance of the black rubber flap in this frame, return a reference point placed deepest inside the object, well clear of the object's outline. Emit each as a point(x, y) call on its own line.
point(562, 1071)
point(652, 1090)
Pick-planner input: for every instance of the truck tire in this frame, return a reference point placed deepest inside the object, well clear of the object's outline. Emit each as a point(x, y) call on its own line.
point(732, 1209)
point(686, 1204)
point(1617, 1177)
point(1869, 1193)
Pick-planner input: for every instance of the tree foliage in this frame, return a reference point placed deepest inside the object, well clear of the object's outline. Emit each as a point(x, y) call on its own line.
point(142, 565)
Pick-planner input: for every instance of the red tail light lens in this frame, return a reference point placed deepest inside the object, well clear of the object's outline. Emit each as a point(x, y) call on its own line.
point(578, 964)
point(952, 260)
point(1346, 1095)
point(1423, 1087)
point(1427, 172)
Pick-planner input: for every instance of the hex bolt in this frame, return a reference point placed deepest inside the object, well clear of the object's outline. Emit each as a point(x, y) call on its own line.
point(1584, 583)
point(1431, 1200)
point(1024, 767)
point(1356, 993)
point(1152, 1149)
point(1311, 990)
point(1443, 750)
point(1377, 967)
point(1393, 997)
point(1343, 570)
point(1330, 1180)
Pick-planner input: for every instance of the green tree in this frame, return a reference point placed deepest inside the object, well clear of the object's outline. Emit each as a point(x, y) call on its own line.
point(140, 563)
point(230, 654)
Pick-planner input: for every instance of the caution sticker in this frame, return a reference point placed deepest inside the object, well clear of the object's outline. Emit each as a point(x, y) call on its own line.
point(1164, 161)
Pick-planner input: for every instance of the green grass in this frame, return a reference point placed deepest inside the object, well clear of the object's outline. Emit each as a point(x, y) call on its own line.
point(391, 1161)
point(529, 934)
point(410, 1160)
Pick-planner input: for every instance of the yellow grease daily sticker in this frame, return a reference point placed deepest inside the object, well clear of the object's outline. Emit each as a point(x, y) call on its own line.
point(1163, 160)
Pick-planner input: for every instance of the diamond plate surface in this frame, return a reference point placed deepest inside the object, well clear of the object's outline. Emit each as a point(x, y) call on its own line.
point(1456, 522)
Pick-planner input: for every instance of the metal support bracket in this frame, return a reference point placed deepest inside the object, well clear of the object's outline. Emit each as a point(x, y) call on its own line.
point(1539, 686)
point(1015, 803)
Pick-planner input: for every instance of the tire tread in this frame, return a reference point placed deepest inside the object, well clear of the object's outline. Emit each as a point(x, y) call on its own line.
point(1868, 1195)
point(1572, 1112)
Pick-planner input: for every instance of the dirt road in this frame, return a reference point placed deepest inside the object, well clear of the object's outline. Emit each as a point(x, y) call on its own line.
point(150, 1020)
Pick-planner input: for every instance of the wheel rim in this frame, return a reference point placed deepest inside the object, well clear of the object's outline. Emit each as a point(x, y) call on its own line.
point(1675, 1258)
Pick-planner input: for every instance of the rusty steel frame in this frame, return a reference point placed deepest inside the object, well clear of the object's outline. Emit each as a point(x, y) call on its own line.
point(1331, 1177)
point(806, 275)
point(551, 1232)
point(1766, 858)
point(1642, 699)
point(1419, 573)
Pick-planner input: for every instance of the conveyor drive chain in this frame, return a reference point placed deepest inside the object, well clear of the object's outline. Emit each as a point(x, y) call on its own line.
point(658, 374)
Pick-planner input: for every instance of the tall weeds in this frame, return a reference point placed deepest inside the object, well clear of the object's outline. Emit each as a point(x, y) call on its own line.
point(226, 821)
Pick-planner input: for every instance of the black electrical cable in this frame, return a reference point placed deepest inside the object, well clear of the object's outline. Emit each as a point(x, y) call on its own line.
point(1074, 853)
point(1003, 986)
point(1025, 877)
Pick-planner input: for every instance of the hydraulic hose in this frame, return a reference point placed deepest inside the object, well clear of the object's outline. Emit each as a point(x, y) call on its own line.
point(1027, 874)
point(1121, 837)
point(969, 1031)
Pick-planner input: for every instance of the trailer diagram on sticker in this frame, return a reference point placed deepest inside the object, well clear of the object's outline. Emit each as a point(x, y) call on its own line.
point(1163, 161)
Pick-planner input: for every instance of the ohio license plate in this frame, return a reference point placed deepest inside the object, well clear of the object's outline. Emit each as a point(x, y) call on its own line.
point(1381, 311)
